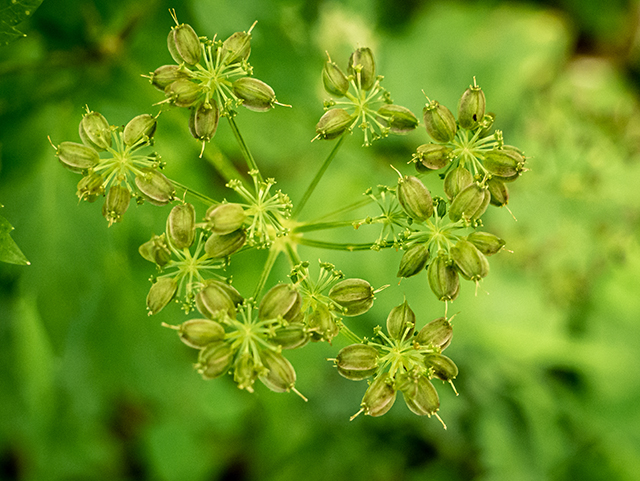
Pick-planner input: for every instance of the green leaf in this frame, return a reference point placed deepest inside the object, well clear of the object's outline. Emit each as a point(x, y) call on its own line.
point(12, 13)
point(9, 250)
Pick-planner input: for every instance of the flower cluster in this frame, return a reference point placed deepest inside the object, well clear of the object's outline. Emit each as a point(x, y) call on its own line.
point(123, 172)
point(369, 106)
point(210, 78)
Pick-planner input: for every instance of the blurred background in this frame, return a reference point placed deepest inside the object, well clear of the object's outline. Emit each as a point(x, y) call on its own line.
point(549, 349)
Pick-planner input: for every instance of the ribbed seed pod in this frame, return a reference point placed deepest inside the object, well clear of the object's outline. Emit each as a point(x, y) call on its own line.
point(223, 245)
point(255, 94)
point(469, 261)
point(225, 218)
point(231, 291)
point(155, 187)
point(357, 361)
point(116, 203)
point(430, 157)
point(413, 261)
point(140, 129)
point(215, 360)
point(363, 67)
point(236, 48)
point(443, 367)
point(156, 250)
point(439, 122)
point(160, 294)
point(437, 333)
point(471, 108)
point(499, 192)
point(414, 198)
point(486, 242)
point(213, 301)
point(335, 82)
point(470, 203)
point(95, 131)
point(280, 377)
point(379, 397)
point(334, 123)
point(506, 163)
point(322, 324)
point(399, 120)
point(419, 395)
point(181, 226)
point(355, 295)
point(203, 121)
point(291, 336)
point(198, 333)
point(443, 278)
point(456, 180)
point(245, 371)
point(184, 44)
point(184, 93)
point(165, 75)
point(77, 157)
point(401, 322)
point(90, 187)
point(282, 300)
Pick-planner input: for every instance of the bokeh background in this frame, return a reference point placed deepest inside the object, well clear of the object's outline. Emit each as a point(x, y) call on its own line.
point(549, 349)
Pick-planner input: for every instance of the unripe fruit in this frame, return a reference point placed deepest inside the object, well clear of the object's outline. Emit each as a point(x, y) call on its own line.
point(160, 294)
point(140, 129)
point(255, 94)
point(184, 44)
point(335, 82)
point(77, 157)
point(334, 123)
point(355, 295)
point(357, 361)
point(413, 261)
point(282, 300)
point(415, 199)
point(401, 322)
point(399, 120)
point(95, 131)
point(472, 106)
point(430, 157)
point(439, 122)
point(443, 279)
point(363, 67)
point(181, 226)
point(155, 187)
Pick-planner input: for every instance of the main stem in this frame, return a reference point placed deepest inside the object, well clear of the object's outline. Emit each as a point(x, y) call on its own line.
point(318, 176)
point(246, 153)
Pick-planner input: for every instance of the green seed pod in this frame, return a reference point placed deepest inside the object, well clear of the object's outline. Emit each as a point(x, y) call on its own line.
point(184, 44)
point(156, 250)
point(419, 394)
point(322, 324)
point(430, 157)
point(471, 108)
point(181, 226)
point(291, 336)
point(499, 192)
point(439, 122)
point(399, 120)
point(77, 157)
point(155, 187)
point(198, 333)
point(281, 376)
point(231, 291)
point(164, 76)
point(507, 164)
point(224, 245)
point(415, 199)
point(225, 218)
point(363, 67)
point(486, 242)
point(401, 322)
point(90, 187)
point(443, 367)
point(140, 130)
point(443, 279)
point(215, 360)
point(203, 121)
point(116, 203)
point(470, 262)
point(213, 301)
point(334, 81)
point(470, 203)
point(334, 123)
point(413, 260)
point(379, 397)
point(355, 295)
point(160, 294)
point(357, 361)
point(183, 93)
point(255, 94)
point(282, 300)
point(95, 131)
point(437, 333)
point(457, 180)
point(245, 371)
point(236, 48)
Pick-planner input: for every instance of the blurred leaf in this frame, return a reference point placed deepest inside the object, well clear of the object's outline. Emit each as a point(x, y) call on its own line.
point(9, 250)
point(12, 13)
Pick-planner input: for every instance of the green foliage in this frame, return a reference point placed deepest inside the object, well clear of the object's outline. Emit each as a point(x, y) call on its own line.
point(12, 14)
point(9, 250)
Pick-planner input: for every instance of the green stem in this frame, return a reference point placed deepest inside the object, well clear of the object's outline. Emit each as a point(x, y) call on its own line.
point(348, 333)
point(221, 163)
point(348, 208)
point(266, 270)
point(197, 195)
point(323, 226)
point(334, 245)
point(243, 147)
point(294, 258)
point(319, 175)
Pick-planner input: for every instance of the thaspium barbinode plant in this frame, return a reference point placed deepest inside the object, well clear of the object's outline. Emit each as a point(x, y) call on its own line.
point(246, 334)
